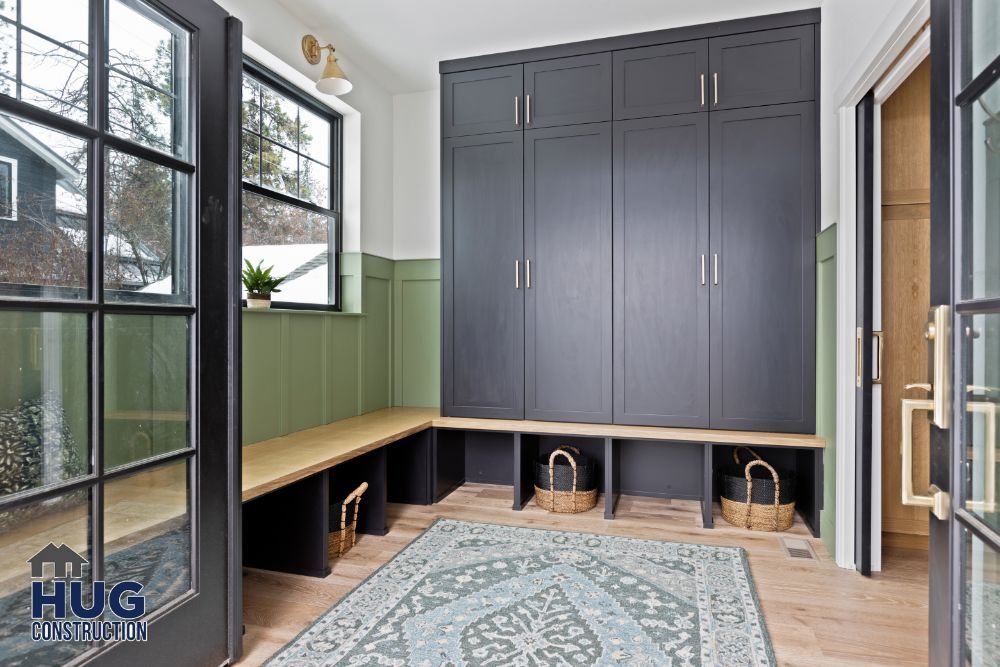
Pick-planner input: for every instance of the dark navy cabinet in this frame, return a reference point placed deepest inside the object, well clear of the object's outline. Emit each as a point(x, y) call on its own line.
point(661, 80)
point(567, 227)
point(628, 229)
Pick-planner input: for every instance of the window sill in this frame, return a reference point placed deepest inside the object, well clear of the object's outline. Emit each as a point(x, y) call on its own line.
point(301, 311)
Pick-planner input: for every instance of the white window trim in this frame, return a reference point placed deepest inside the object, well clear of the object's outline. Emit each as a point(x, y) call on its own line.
point(13, 188)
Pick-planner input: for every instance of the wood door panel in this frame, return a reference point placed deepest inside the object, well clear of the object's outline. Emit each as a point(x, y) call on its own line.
point(661, 80)
point(568, 316)
point(481, 101)
point(763, 212)
point(568, 91)
point(483, 332)
point(661, 306)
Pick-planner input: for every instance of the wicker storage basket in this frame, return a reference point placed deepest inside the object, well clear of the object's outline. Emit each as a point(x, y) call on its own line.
point(342, 540)
point(756, 496)
point(565, 488)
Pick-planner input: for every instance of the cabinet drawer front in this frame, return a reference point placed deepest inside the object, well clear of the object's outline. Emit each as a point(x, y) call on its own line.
point(766, 67)
point(568, 242)
point(662, 273)
point(763, 212)
point(482, 237)
point(661, 80)
point(481, 101)
point(568, 91)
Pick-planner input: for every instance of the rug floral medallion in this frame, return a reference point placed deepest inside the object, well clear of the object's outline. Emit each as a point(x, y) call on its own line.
point(482, 594)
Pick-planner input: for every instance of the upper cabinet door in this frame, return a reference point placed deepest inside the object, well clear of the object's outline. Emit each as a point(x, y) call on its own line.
point(568, 91)
point(567, 239)
point(481, 101)
point(482, 284)
point(766, 67)
point(763, 229)
point(661, 271)
point(661, 80)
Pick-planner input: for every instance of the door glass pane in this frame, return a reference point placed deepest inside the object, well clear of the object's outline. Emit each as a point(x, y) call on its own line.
point(982, 38)
point(148, 79)
point(981, 603)
point(43, 211)
point(982, 419)
point(43, 400)
point(147, 532)
point(146, 380)
point(982, 186)
point(145, 232)
point(24, 532)
point(293, 240)
point(52, 59)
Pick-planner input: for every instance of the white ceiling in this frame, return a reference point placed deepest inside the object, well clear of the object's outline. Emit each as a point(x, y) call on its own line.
point(400, 42)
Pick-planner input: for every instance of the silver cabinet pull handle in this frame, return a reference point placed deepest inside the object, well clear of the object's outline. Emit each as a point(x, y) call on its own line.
point(517, 274)
point(517, 111)
point(527, 109)
point(702, 89)
point(715, 269)
point(715, 87)
point(702, 269)
point(527, 274)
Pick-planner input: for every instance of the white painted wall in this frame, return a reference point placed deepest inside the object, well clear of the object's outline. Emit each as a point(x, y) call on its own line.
point(368, 170)
point(416, 190)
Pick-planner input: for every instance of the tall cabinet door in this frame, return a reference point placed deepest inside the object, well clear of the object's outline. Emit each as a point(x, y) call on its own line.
point(661, 269)
point(482, 333)
point(763, 211)
point(567, 176)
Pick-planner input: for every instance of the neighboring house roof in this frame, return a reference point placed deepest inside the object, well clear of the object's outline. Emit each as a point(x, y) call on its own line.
point(68, 174)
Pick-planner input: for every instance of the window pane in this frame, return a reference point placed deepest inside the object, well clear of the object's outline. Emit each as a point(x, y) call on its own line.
point(279, 118)
point(43, 399)
point(148, 56)
point(251, 104)
point(251, 157)
point(296, 242)
point(147, 532)
point(24, 532)
point(146, 396)
point(279, 168)
point(145, 231)
point(982, 418)
point(314, 183)
point(44, 231)
point(54, 77)
point(981, 603)
point(314, 136)
point(983, 27)
point(982, 213)
point(8, 58)
point(61, 20)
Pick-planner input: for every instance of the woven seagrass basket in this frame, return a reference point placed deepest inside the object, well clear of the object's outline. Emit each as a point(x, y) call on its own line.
point(565, 488)
point(342, 540)
point(756, 496)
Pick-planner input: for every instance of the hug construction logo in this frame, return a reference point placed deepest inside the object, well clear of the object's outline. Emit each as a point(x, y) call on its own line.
point(65, 608)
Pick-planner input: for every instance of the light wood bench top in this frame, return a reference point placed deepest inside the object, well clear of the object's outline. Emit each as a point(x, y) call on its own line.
point(272, 464)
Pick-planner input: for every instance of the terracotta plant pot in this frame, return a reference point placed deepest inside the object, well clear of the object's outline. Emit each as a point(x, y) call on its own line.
point(258, 300)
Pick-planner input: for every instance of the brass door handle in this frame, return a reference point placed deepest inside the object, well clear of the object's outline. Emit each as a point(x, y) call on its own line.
point(858, 351)
point(919, 385)
point(989, 412)
point(937, 500)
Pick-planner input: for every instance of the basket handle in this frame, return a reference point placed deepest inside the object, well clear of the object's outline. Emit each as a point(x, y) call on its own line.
point(355, 496)
point(552, 473)
point(777, 489)
point(736, 454)
point(569, 448)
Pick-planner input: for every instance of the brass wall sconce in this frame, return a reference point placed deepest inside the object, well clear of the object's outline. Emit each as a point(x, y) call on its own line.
point(333, 81)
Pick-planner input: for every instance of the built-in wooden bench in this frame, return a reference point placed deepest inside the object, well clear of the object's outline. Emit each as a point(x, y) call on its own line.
point(414, 455)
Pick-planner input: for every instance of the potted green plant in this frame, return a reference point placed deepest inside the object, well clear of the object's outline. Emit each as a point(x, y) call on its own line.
point(260, 284)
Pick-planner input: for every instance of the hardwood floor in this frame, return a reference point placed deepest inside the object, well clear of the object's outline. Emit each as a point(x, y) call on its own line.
point(816, 613)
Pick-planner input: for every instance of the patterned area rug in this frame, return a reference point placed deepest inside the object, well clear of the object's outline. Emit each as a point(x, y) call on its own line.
point(481, 594)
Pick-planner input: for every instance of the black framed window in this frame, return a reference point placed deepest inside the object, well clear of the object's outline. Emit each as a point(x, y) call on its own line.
point(291, 159)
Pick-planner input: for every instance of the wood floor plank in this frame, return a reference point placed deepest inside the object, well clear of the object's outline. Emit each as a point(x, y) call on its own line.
point(816, 613)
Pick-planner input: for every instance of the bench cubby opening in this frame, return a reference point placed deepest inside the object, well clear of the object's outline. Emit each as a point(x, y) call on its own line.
point(530, 447)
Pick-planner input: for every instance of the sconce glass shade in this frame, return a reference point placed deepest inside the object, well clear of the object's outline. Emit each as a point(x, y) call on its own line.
point(333, 81)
